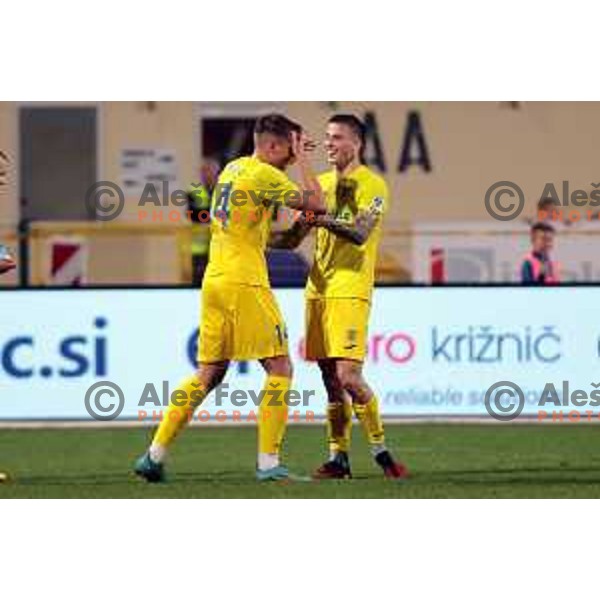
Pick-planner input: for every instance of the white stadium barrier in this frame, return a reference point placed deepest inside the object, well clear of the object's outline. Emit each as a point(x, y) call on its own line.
point(433, 352)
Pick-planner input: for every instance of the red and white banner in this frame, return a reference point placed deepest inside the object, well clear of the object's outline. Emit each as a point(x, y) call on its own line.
point(68, 261)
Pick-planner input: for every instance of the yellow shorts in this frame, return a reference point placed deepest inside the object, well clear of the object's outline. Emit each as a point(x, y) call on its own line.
point(337, 328)
point(240, 322)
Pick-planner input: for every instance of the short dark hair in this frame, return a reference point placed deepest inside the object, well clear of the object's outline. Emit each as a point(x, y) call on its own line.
point(277, 125)
point(545, 201)
point(352, 121)
point(545, 227)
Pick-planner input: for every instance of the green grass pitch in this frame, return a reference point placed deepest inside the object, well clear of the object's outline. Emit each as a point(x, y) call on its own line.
point(447, 461)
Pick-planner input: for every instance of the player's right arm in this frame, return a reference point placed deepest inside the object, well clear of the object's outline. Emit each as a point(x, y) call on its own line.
point(291, 238)
point(372, 205)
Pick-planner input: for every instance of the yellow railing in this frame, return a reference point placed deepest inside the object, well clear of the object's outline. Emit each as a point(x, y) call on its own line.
point(114, 248)
point(123, 252)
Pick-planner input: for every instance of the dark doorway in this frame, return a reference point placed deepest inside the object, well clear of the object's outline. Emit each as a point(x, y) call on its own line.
point(226, 138)
point(58, 161)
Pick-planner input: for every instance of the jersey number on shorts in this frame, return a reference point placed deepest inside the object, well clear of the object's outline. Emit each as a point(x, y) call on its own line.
point(282, 333)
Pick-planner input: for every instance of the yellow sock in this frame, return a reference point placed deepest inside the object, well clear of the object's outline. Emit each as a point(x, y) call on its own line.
point(184, 401)
point(272, 415)
point(368, 415)
point(339, 427)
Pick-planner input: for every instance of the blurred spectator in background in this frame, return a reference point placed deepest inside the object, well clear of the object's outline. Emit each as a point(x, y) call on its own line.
point(537, 267)
point(7, 262)
point(548, 211)
point(544, 211)
point(199, 197)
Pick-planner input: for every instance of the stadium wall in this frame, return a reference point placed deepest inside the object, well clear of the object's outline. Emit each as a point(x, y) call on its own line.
point(166, 126)
point(159, 126)
point(152, 246)
point(469, 146)
point(438, 157)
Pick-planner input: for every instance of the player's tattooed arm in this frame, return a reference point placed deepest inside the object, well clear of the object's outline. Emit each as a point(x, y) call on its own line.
point(356, 232)
point(291, 238)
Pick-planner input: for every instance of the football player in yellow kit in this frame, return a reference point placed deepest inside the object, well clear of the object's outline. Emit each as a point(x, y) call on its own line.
point(339, 290)
point(240, 316)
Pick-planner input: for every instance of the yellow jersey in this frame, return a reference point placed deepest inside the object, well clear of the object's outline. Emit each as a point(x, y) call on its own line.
point(342, 269)
point(241, 218)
